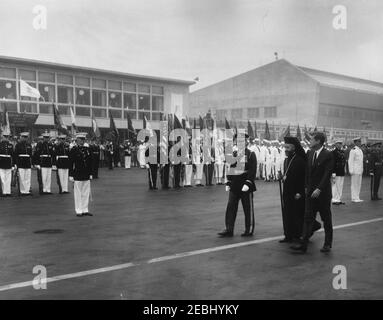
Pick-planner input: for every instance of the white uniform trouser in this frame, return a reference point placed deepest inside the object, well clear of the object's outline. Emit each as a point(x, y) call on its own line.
point(6, 178)
point(25, 180)
point(128, 160)
point(218, 168)
point(356, 182)
point(188, 174)
point(63, 176)
point(198, 173)
point(81, 196)
point(337, 189)
point(267, 171)
point(226, 167)
point(46, 175)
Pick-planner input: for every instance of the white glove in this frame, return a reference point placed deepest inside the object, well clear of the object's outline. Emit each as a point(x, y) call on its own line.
point(245, 188)
point(333, 175)
point(14, 167)
point(54, 168)
point(38, 167)
point(146, 166)
point(227, 188)
point(71, 179)
point(90, 177)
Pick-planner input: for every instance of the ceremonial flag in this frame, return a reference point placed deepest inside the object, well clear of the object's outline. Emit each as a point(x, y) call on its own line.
point(187, 126)
point(113, 127)
point(299, 134)
point(28, 91)
point(267, 132)
point(95, 129)
point(5, 127)
point(201, 123)
point(227, 125)
point(250, 131)
point(307, 136)
point(131, 131)
point(255, 130)
point(285, 133)
point(148, 126)
point(73, 121)
point(177, 123)
point(58, 121)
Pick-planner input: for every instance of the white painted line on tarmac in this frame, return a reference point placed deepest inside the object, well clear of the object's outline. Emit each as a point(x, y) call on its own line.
point(166, 258)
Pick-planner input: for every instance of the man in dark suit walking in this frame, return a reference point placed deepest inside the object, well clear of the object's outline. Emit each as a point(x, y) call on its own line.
point(318, 192)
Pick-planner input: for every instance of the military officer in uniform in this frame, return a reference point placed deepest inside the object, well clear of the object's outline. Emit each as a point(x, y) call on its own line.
point(44, 159)
point(95, 150)
point(110, 154)
point(61, 163)
point(80, 173)
point(355, 167)
point(152, 167)
point(23, 162)
point(241, 186)
point(127, 153)
point(188, 167)
point(375, 163)
point(6, 164)
point(338, 172)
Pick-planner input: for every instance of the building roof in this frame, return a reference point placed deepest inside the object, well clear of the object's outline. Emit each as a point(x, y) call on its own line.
point(342, 81)
point(92, 70)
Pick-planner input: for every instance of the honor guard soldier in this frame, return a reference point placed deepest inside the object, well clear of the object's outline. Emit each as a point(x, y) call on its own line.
point(219, 161)
point(188, 167)
point(127, 153)
point(241, 186)
point(44, 160)
point(152, 167)
point(61, 162)
point(355, 167)
point(80, 172)
point(375, 163)
point(110, 154)
point(23, 161)
point(338, 172)
point(6, 165)
point(95, 150)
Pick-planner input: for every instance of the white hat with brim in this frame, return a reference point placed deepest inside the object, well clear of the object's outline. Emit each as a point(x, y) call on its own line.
point(62, 136)
point(357, 138)
point(24, 134)
point(81, 135)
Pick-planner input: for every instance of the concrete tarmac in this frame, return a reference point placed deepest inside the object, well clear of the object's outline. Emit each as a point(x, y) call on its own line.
point(134, 225)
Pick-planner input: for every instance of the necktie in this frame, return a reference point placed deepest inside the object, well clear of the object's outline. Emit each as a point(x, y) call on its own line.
point(315, 157)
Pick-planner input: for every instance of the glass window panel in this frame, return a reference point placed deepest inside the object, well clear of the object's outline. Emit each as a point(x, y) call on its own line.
point(156, 115)
point(64, 79)
point(46, 108)
point(48, 92)
point(46, 77)
point(130, 101)
point(64, 110)
point(132, 114)
point(143, 88)
point(82, 81)
point(130, 87)
point(82, 96)
point(157, 90)
point(7, 72)
point(33, 85)
point(99, 98)
point(115, 99)
point(115, 85)
point(7, 89)
point(28, 107)
point(98, 83)
point(27, 75)
point(65, 94)
point(157, 103)
point(84, 112)
point(11, 106)
point(99, 113)
point(253, 112)
point(143, 102)
point(116, 113)
point(236, 114)
point(142, 114)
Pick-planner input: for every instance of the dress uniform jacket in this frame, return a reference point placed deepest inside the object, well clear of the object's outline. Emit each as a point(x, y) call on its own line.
point(44, 154)
point(6, 155)
point(23, 155)
point(339, 162)
point(61, 158)
point(80, 163)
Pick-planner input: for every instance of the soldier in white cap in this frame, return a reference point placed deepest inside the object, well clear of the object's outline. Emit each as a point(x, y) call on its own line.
point(61, 162)
point(127, 153)
point(80, 172)
point(355, 167)
point(23, 163)
point(6, 164)
point(219, 161)
point(44, 159)
point(338, 172)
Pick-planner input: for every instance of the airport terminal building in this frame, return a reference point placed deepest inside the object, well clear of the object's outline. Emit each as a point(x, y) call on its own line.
point(89, 92)
point(283, 93)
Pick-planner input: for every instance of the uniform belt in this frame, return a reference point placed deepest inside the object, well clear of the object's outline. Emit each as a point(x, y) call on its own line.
point(378, 163)
point(62, 156)
point(24, 155)
point(45, 156)
point(5, 155)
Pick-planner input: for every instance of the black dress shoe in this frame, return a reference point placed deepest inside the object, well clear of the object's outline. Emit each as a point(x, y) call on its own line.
point(246, 234)
point(285, 240)
point(225, 234)
point(299, 248)
point(87, 214)
point(325, 249)
point(79, 215)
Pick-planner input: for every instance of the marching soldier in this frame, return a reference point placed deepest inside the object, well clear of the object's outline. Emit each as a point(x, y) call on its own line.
point(80, 173)
point(44, 160)
point(61, 164)
point(23, 162)
point(6, 165)
point(95, 151)
point(127, 153)
point(198, 164)
point(375, 163)
point(355, 167)
point(241, 186)
point(188, 168)
point(338, 172)
point(152, 167)
point(109, 149)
